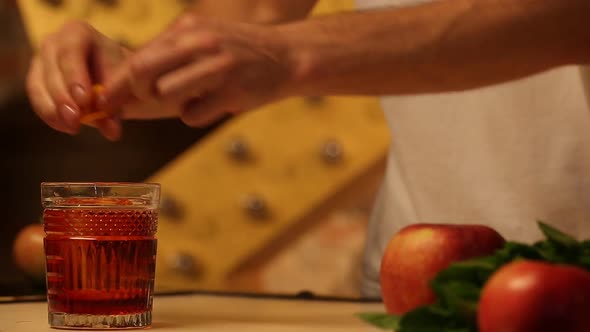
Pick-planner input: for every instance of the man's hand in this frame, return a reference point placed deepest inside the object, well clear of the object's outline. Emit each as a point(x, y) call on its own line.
point(200, 70)
point(61, 76)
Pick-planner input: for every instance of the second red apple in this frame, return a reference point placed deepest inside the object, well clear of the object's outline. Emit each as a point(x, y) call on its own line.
point(535, 296)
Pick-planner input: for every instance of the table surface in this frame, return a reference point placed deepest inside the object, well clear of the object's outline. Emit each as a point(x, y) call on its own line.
point(210, 313)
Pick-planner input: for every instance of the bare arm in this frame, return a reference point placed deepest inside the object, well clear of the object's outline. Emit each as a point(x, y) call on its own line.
point(441, 46)
point(255, 11)
point(448, 45)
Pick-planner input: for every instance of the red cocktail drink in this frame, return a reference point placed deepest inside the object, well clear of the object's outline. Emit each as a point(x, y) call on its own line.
point(100, 248)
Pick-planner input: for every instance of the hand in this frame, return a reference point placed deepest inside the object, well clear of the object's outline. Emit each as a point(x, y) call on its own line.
point(61, 76)
point(200, 70)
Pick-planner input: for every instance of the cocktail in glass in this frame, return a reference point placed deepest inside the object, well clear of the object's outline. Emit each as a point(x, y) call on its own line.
point(100, 249)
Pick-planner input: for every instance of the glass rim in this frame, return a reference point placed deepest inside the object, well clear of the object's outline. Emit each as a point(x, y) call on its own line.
point(101, 184)
point(99, 194)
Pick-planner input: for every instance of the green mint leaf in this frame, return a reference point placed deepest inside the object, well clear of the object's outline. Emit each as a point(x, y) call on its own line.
point(470, 271)
point(557, 237)
point(513, 250)
point(381, 320)
point(554, 253)
point(460, 297)
point(584, 262)
point(560, 248)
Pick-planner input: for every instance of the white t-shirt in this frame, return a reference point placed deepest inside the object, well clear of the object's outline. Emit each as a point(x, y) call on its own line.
point(505, 156)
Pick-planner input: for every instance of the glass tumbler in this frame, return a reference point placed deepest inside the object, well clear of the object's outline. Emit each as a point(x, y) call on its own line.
point(100, 249)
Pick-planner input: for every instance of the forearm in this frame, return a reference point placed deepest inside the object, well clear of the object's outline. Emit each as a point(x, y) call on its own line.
point(255, 11)
point(441, 46)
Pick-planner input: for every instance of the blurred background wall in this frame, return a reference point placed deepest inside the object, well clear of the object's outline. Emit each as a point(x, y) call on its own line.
point(318, 186)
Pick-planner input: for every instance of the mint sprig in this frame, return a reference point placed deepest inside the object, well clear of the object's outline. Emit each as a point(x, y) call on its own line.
point(459, 286)
point(380, 320)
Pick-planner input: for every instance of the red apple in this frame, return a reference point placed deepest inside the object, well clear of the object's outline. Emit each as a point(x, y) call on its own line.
point(530, 296)
point(28, 252)
point(417, 253)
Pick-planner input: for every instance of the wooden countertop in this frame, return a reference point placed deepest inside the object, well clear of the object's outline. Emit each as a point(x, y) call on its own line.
point(215, 312)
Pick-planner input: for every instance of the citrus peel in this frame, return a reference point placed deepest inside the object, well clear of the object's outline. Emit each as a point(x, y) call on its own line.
point(90, 118)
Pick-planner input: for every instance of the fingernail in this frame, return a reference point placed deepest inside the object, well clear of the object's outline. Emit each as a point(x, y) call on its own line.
point(80, 95)
point(71, 118)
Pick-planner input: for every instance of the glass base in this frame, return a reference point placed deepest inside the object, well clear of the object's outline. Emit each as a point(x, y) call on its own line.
point(62, 320)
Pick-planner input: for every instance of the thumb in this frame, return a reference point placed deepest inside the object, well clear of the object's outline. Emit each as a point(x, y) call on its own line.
point(117, 90)
point(110, 128)
point(203, 111)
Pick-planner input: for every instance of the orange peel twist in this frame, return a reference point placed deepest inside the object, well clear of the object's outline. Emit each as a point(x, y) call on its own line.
point(94, 115)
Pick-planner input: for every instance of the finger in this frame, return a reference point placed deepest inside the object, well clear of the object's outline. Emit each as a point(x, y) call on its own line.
point(112, 56)
point(148, 64)
point(138, 77)
point(54, 82)
point(41, 101)
point(110, 128)
point(187, 21)
point(201, 112)
point(167, 37)
point(117, 89)
point(195, 79)
point(171, 31)
point(73, 65)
